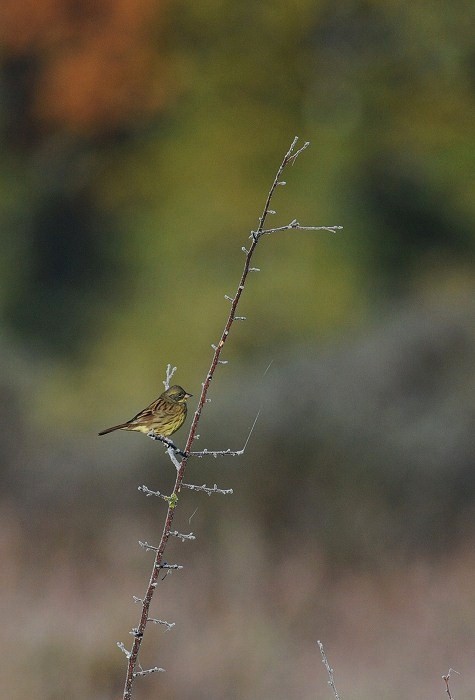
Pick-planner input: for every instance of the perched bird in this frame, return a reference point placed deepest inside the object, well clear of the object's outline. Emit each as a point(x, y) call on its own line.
point(164, 416)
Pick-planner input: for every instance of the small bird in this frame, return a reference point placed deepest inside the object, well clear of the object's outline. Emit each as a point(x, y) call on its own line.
point(164, 416)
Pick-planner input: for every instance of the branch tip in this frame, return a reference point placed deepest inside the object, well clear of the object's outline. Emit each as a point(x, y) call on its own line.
point(155, 669)
point(148, 492)
point(166, 624)
point(208, 490)
point(331, 681)
point(181, 536)
point(170, 371)
point(123, 649)
point(446, 678)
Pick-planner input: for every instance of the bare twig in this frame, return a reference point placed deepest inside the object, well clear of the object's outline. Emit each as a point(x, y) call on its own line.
point(155, 669)
point(331, 681)
point(166, 441)
point(171, 453)
point(170, 372)
point(148, 547)
point(148, 492)
point(181, 536)
point(122, 648)
point(132, 659)
point(447, 681)
point(295, 225)
point(221, 453)
point(217, 453)
point(207, 489)
point(168, 625)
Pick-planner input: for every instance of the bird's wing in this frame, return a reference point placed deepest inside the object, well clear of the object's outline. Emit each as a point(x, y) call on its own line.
point(146, 412)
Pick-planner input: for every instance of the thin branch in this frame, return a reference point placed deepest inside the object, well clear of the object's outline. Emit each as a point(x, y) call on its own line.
point(148, 547)
point(289, 157)
point(132, 662)
point(166, 624)
point(172, 454)
point(220, 453)
point(331, 681)
point(296, 225)
point(147, 672)
point(447, 681)
point(149, 492)
point(207, 489)
point(122, 648)
point(181, 536)
point(166, 441)
point(217, 453)
point(169, 374)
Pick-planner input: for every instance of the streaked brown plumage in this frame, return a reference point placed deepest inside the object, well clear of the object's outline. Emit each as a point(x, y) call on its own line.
point(164, 416)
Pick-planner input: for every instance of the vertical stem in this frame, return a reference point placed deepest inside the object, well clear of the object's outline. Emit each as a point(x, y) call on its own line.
point(154, 577)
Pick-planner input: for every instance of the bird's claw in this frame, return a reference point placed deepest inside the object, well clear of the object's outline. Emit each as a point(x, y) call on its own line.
point(166, 441)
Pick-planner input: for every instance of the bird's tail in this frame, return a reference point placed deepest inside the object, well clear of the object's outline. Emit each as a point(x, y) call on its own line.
point(114, 427)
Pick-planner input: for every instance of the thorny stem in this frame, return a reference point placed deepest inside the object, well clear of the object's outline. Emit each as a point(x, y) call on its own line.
point(132, 658)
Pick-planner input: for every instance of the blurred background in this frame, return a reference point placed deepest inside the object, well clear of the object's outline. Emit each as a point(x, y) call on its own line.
point(139, 139)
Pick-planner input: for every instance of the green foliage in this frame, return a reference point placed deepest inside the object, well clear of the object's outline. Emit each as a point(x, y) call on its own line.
point(385, 94)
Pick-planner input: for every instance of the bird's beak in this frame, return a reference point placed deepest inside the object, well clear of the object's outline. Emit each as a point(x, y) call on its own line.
point(188, 396)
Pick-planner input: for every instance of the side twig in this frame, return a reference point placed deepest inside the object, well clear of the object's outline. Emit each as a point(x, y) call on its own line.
point(331, 681)
point(208, 490)
point(446, 679)
point(220, 453)
point(133, 654)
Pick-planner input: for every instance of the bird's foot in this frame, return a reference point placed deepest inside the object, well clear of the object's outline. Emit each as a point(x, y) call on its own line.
point(166, 441)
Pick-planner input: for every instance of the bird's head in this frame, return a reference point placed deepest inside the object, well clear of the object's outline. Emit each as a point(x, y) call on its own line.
point(177, 393)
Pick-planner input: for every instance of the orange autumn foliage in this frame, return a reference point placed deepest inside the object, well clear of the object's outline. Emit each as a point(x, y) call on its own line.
point(98, 65)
